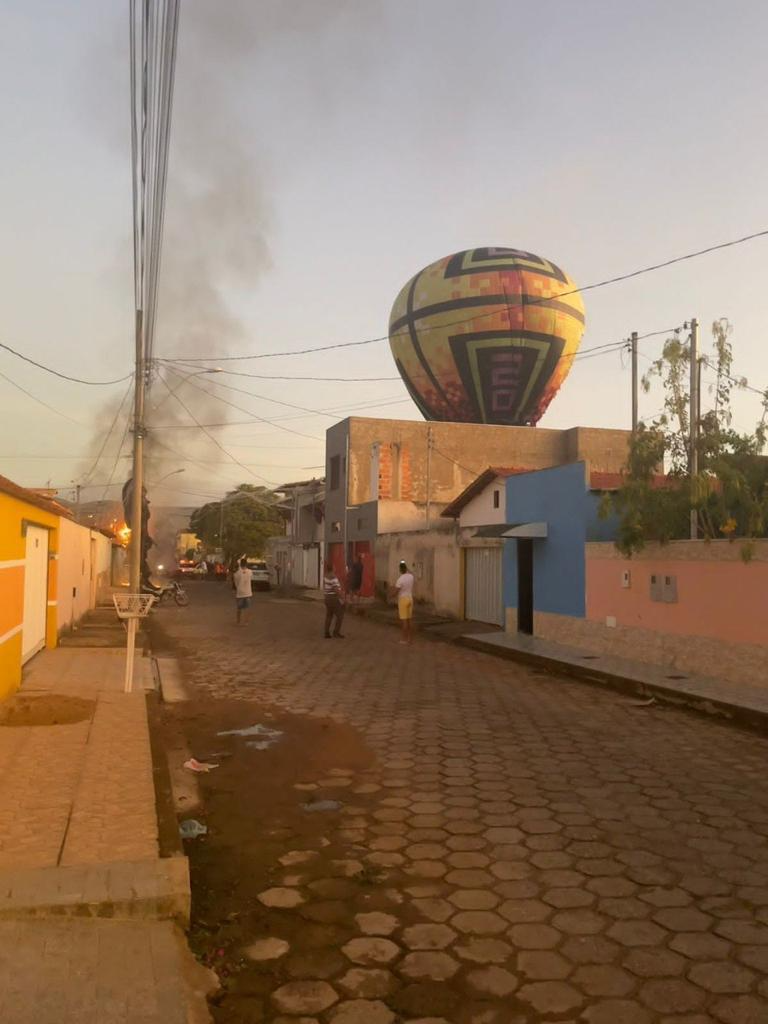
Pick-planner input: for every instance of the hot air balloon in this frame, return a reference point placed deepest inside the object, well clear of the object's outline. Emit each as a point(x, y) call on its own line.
point(486, 336)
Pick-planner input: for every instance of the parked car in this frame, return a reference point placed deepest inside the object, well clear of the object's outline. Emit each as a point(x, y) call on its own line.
point(259, 574)
point(186, 567)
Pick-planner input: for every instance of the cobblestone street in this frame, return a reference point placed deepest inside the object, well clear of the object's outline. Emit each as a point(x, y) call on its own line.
point(515, 847)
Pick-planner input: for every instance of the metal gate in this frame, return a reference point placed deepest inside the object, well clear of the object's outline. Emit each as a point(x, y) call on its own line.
point(35, 592)
point(482, 586)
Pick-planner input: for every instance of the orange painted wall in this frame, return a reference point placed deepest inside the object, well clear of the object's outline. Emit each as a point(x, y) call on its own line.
point(727, 600)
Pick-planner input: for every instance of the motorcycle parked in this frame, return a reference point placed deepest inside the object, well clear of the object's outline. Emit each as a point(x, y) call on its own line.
point(172, 591)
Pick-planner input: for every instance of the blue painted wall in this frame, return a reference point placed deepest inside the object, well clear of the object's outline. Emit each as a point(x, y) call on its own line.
point(559, 498)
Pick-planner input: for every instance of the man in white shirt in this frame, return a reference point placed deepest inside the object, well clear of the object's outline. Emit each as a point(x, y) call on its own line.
point(241, 581)
point(404, 588)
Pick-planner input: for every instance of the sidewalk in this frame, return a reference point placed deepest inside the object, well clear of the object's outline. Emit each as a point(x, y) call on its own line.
point(744, 705)
point(89, 910)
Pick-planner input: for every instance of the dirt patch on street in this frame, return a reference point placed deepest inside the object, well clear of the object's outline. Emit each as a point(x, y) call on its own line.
point(254, 816)
point(53, 710)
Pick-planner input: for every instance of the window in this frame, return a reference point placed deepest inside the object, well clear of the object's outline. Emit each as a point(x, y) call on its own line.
point(496, 499)
point(335, 472)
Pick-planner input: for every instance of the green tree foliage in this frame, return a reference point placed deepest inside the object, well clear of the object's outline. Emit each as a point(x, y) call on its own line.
point(250, 517)
point(730, 490)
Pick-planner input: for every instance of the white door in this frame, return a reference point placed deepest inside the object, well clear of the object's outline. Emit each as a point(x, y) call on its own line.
point(482, 586)
point(35, 592)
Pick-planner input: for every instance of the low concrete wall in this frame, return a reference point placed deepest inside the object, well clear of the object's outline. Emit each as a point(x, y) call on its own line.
point(436, 560)
point(715, 627)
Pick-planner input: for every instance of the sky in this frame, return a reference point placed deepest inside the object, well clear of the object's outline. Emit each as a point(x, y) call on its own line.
point(323, 153)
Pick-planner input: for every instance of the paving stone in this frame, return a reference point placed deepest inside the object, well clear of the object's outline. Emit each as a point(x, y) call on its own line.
point(548, 997)
point(685, 919)
point(754, 956)
point(376, 923)
point(616, 1011)
point(371, 951)
point(543, 965)
point(524, 911)
point(671, 994)
point(478, 922)
point(281, 897)
point(603, 980)
point(266, 949)
point(484, 951)
point(654, 963)
point(700, 946)
point(304, 997)
point(434, 908)
point(362, 1011)
point(578, 922)
point(428, 936)
point(637, 933)
point(721, 977)
point(494, 982)
point(743, 932)
point(366, 982)
point(434, 966)
point(740, 1010)
point(474, 899)
point(534, 936)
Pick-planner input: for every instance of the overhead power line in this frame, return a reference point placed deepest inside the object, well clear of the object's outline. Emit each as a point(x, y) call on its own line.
point(63, 376)
point(39, 401)
point(476, 316)
point(87, 476)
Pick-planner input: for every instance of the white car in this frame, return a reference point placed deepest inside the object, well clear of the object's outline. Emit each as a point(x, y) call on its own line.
point(259, 574)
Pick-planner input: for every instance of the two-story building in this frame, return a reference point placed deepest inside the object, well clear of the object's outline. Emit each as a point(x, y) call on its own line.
point(296, 557)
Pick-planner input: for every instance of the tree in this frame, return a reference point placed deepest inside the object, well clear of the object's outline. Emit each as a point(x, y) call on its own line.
point(729, 492)
point(249, 518)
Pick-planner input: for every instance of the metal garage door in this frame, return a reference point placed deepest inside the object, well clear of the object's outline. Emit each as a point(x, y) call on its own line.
point(35, 592)
point(482, 594)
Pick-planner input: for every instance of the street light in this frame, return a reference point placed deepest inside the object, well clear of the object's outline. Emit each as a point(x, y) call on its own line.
point(173, 472)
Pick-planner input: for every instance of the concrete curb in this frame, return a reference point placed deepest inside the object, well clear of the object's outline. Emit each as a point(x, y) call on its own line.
point(155, 890)
point(750, 717)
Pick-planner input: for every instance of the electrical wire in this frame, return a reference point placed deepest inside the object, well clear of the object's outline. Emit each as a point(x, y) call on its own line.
point(211, 437)
point(529, 302)
point(113, 470)
point(87, 476)
point(39, 401)
point(473, 472)
point(63, 376)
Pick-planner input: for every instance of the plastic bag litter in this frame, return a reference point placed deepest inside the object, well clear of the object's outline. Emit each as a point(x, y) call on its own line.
point(322, 805)
point(194, 765)
point(191, 829)
point(252, 730)
point(263, 744)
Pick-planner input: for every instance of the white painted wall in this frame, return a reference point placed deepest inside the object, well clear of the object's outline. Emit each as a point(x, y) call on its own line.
point(83, 572)
point(480, 511)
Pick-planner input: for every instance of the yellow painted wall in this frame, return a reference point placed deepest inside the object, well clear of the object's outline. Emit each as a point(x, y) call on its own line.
point(14, 512)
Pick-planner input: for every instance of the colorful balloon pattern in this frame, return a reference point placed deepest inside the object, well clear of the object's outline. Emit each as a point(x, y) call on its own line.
point(486, 336)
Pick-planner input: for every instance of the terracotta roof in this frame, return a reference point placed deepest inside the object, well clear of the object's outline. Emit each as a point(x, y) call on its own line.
point(23, 494)
point(478, 484)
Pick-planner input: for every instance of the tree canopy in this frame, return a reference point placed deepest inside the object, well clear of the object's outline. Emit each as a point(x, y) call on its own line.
point(249, 517)
point(729, 491)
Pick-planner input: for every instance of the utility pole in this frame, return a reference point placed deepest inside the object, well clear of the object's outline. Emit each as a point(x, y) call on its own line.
point(78, 488)
point(633, 343)
point(429, 471)
point(137, 510)
point(694, 418)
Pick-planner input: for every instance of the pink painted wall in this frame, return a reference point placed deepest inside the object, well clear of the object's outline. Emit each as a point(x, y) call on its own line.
point(717, 597)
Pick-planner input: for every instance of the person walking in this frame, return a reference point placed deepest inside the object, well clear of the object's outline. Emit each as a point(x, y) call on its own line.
point(404, 588)
point(334, 602)
point(241, 583)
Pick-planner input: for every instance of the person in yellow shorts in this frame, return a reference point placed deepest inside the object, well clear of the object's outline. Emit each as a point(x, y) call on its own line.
point(404, 588)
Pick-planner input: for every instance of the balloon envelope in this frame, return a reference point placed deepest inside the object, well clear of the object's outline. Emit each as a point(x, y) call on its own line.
point(486, 336)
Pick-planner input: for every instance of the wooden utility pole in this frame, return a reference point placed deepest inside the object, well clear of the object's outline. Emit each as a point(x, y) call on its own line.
point(429, 472)
point(693, 464)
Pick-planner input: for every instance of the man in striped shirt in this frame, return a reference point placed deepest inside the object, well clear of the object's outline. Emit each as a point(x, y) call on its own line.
point(334, 602)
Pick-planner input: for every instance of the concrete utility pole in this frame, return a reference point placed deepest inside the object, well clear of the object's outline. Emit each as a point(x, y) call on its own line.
point(694, 418)
point(137, 509)
point(429, 471)
point(633, 343)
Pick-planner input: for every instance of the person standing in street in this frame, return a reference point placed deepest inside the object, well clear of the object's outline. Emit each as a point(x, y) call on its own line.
point(334, 602)
point(355, 581)
point(404, 588)
point(241, 583)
